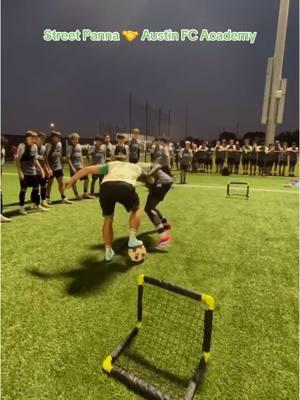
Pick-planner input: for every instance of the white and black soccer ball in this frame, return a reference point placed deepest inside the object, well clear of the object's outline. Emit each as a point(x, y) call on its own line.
point(137, 254)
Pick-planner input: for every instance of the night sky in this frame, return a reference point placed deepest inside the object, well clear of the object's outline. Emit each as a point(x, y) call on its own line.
point(78, 84)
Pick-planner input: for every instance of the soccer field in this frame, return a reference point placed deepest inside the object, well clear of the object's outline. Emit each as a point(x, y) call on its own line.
point(64, 309)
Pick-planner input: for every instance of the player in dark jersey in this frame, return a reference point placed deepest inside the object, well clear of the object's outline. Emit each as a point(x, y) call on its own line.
point(293, 152)
point(220, 154)
point(74, 156)
point(155, 150)
point(230, 150)
point(237, 157)
point(120, 150)
point(276, 155)
point(208, 160)
point(108, 147)
point(158, 188)
point(177, 152)
point(96, 156)
point(246, 156)
point(43, 181)
point(269, 157)
point(135, 146)
point(54, 162)
point(27, 166)
point(201, 155)
point(185, 157)
point(253, 159)
point(261, 159)
point(283, 159)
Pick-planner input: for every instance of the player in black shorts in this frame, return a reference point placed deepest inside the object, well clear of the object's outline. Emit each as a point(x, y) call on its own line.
point(118, 186)
point(237, 157)
point(208, 160)
point(220, 154)
point(261, 159)
point(230, 149)
point(283, 159)
point(158, 188)
point(96, 156)
point(246, 156)
point(293, 152)
point(253, 159)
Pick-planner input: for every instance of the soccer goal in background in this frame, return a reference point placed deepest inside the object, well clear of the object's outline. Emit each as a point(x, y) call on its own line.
point(165, 355)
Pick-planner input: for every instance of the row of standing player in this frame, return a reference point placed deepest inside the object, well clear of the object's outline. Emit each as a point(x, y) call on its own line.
point(254, 158)
point(39, 163)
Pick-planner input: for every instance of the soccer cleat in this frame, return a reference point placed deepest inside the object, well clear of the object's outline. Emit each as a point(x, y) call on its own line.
point(109, 255)
point(165, 240)
point(49, 202)
point(22, 211)
point(66, 201)
point(132, 244)
point(5, 219)
point(78, 197)
point(40, 208)
point(88, 196)
point(45, 204)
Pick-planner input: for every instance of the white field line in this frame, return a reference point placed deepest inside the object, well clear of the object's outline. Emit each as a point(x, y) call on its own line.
point(251, 189)
point(214, 187)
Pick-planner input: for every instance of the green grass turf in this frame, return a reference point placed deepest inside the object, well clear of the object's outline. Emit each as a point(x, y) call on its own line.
point(64, 310)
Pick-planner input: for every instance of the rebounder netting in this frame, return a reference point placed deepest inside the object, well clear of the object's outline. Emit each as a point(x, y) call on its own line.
point(164, 356)
point(237, 188)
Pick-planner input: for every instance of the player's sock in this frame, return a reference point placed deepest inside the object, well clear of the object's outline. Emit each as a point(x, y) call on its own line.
point(109, 253)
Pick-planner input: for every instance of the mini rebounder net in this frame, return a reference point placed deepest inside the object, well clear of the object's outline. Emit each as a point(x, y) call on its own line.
point(165, 355)
point(236, 188)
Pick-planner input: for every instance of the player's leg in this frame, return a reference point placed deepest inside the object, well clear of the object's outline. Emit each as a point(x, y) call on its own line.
point(35, 194)
point(49, 187)
point(93, 182)
point(86, 195)
point(60, 183)
point(22, 194)
point(43, 191)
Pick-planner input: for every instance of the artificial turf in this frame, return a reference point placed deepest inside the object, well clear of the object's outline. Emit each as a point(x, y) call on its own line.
point(64, 309)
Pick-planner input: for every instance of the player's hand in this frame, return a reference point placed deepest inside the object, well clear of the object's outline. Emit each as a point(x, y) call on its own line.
point(67, 185)
point(21, 176)
point(50, 173)
point(42, 173)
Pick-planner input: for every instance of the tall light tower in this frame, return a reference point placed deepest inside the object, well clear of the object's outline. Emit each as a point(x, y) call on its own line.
point(275, 86)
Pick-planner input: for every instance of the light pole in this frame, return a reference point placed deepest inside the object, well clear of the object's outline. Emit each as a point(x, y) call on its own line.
point(275, 86)
point(52, 125)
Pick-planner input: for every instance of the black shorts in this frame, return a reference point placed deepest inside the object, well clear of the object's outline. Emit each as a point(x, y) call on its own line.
point(208, 162)
point(184, 167)
point(219, 161)
point(117, 192)
point(231, 161)
point(253, 161)
point(97, 176)
point(42, 181)
point(245, 161)
point(57, 174)
point(73, 173)
point(159, 191)
point(29, 181)
point(293, 163)
point(282, 162)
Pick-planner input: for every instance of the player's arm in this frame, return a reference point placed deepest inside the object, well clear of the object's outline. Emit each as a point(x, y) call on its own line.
point(68, 154)
point(91, 169)
point(38, 166)
point(20, 152)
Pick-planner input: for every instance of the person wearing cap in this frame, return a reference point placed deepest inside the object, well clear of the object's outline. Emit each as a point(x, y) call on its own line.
point(54, 162)
point(118, 186)
point(3, 143)
point(135, 146)
point(120, 151)
point(96, 156)
point(27, 166)
point(185, 159)
point(75, 160)
point(41, 150)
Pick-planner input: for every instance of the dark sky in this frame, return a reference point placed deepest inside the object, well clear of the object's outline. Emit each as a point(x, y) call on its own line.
point(78, 84)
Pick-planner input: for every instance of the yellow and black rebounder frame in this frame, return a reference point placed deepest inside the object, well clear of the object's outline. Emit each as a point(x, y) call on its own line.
point(237, 183)
point(143, 387)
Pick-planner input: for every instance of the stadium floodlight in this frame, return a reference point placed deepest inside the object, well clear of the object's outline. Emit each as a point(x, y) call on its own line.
point(52, 125)
point(235, 193)
point(165, 355)
point(275, 86)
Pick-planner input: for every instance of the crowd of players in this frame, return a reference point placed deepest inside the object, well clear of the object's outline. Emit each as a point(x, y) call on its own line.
point(40, 160)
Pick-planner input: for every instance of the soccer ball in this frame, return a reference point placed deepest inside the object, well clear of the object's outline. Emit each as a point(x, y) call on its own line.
point(137, 254)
